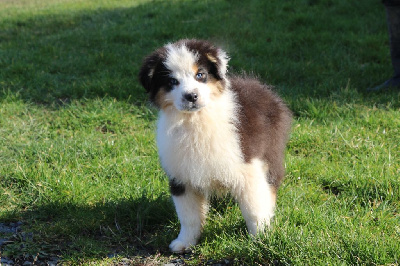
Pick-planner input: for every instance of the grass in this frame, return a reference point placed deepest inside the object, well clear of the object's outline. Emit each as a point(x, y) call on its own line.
point(78, 162)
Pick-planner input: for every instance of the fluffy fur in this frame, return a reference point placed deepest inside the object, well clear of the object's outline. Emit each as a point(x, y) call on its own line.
point(215, 135)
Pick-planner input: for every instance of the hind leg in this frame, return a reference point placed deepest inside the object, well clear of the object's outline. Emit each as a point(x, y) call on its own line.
point(256, 198)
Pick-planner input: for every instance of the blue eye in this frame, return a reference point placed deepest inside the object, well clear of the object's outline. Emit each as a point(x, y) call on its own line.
point(201, 77)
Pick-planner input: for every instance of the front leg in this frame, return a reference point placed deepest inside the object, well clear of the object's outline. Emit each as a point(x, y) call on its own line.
point(191, 207)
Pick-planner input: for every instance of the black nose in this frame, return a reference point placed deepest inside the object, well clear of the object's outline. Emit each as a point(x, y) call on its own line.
point(191, 97)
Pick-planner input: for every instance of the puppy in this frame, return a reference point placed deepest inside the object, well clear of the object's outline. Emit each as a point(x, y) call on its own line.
point(215, 135)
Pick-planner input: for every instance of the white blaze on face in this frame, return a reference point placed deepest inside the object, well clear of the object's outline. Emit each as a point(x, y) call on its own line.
point(183, 66)
point(180, 60)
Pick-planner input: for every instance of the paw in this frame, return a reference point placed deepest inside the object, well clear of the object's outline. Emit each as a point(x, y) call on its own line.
point(178, 246)
point(259, 227)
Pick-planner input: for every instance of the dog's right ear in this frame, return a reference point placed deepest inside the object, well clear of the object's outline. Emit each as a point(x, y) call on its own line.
point(149, 66)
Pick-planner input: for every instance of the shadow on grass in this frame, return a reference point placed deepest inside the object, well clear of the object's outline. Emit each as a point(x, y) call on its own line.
point(138, 229)
point(127, 228)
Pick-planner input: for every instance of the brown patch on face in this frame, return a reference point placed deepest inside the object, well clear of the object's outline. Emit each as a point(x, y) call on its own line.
point(161, 99)
point(195, 68)
point(216, 86)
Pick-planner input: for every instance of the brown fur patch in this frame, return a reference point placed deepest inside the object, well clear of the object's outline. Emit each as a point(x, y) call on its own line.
point(195, 68)
point(264, 127)
point(160, 99)
point(216, 85)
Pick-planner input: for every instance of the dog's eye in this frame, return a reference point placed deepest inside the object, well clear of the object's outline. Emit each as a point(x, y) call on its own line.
point(201, 76)
point(173, 82)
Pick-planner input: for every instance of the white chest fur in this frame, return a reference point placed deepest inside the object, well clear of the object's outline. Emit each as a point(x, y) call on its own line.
point(202, 148)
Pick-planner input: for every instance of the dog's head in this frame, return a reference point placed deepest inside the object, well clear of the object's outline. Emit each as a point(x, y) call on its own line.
point(185, 75)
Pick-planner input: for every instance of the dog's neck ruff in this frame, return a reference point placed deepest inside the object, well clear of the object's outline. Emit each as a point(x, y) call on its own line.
point(202, 148)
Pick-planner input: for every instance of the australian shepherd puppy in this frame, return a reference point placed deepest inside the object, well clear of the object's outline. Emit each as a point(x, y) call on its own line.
point(216, 134)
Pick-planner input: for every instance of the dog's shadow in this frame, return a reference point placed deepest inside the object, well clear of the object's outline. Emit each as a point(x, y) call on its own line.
point(135, 227)
point(132, 227)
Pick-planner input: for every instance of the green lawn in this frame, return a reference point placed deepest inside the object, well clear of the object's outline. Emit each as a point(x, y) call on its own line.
point(78, 160)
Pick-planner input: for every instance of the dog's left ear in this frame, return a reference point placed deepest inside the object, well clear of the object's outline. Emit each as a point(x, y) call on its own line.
point(149, 65)
point(219, 62)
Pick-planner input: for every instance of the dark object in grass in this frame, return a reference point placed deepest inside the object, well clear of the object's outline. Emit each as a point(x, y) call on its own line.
point(393, 22)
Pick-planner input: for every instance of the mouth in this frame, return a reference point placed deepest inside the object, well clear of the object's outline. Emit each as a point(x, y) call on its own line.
point(190, 107)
